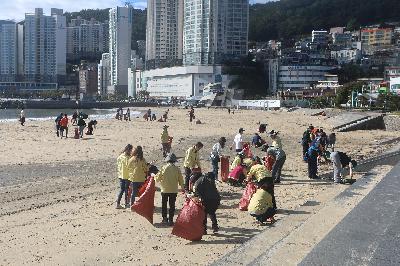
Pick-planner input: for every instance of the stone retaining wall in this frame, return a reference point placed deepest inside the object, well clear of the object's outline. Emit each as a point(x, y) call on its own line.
point(392, 122)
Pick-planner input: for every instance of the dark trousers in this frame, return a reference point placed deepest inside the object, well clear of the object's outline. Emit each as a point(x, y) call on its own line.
point(305, 149)
point(166, 148)
point(188, 173)
point(215, 166)
point(171, 198)
point(135, 189)
point(312, 165)
point(124, 186)
point(263, 217)
point(210, 211)
point(62, 129)
point(58, 130)
point(277, 168)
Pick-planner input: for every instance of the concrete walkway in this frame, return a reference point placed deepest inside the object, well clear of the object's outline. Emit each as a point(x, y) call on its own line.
point(369, 234)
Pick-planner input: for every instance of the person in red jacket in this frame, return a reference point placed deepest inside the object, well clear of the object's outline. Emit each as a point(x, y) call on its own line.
point(64, 126)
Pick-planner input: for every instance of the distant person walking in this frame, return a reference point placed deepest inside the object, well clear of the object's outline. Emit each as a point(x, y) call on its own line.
point(57, 121)
point(191, 114)
point(64, 126)
point(128, 115)
point(169, 177)
point(216, 154)
point(74, 118)
point(81, 125)
point(22, 117)
point(238, 140)
point(165, 141)
point(123, 175)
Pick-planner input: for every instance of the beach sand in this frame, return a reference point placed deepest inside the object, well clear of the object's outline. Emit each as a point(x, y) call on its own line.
point(57, 195)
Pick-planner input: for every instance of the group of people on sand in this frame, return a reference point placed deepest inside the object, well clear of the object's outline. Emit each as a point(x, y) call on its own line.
point(316, 144)
point(62, 123)
point(120, 115)
point(246, 170)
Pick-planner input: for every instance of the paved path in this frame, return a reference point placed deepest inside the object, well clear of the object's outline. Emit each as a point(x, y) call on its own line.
point(369, 234)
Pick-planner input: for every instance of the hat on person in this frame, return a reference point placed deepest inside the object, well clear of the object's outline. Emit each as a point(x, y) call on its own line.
point(171, 158)
point(241, 130)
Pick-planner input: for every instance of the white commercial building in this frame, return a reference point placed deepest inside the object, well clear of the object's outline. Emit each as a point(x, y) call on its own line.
point(182, 81)
point(214, 30)
point(120, 47)
point(164, 33)
point(295, 77)
point(103, 74)
point(8, 51)
point(346, 56)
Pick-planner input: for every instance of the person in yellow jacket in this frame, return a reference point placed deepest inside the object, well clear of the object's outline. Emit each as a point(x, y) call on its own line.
point(261, 205)
point(262, 176)
point(192, 160)
point(169, 177)
point(138, 168)
point(165, 141)
point(123, 175)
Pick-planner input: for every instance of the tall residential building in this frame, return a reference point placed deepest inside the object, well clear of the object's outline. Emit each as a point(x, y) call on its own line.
point(103, 74)
point(164, 34)
point(8, 50)
point(61, 41)
point(86, 38)
point(44, 55)
point(214, 31)
point(120, 47)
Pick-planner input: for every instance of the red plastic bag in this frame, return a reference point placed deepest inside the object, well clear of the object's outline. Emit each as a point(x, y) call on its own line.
point(224, 168)
point(269, 162)
point(189, 224)
point(246, 197)
point(142, 189)
point(236, 172)
point(144, 206)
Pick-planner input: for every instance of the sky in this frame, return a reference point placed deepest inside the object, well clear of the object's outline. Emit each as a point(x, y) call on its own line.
point(16, 9)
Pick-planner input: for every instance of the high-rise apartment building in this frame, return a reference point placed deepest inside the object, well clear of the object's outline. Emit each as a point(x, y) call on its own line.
point(120, 47)
point(8, 51)
point(61, 42)
point(164, 34)
point(214, 31)
point(86, 38)
point(103, 74)
point(44, 46)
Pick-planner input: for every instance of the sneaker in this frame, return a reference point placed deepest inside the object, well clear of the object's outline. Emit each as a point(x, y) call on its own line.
point(164, 221)
point(171, 223)
point(127, 206)
point(277, 181)
point(119, 207)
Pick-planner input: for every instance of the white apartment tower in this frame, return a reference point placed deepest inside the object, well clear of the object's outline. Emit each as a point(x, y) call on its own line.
point(8, 50)
point(44, 46)
point(103, 74)
point(120, 47)
point(164, 34)
point(61, 41)
point(214, 31)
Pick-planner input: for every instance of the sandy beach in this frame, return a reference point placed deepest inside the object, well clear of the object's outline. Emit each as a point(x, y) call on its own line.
point(57, 195)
